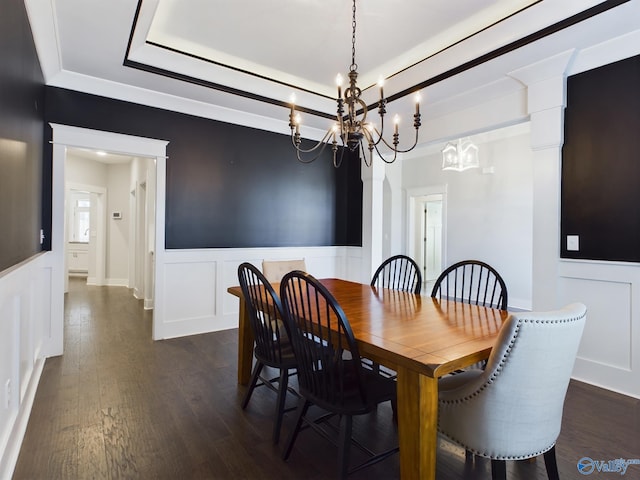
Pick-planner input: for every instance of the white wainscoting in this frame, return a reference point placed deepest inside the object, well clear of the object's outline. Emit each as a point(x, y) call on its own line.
point(25, 329)
point(192, 285)
point(611, 292)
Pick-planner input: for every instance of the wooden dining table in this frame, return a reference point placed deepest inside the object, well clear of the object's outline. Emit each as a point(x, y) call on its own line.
point(420, 337)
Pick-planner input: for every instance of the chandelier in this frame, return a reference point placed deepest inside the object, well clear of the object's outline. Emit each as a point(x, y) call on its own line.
point(352, 129)
point(460, 156)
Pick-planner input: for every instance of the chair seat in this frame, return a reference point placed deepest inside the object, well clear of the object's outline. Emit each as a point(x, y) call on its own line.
point(287, 357)
point(376, 388)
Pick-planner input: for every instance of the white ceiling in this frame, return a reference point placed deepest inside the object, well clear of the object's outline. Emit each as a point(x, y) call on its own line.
point(241, 61)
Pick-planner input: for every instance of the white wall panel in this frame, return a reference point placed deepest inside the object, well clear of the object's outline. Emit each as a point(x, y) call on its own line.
point(607, 334)
point(611, 292)
point(195, 282)
point(25, 306)
point(8, 363)
point(193, 290)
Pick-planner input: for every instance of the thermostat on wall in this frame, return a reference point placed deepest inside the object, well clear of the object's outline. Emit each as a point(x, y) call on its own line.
point(116, 215)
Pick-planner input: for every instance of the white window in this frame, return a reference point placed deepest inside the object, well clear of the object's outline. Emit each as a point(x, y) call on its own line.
point(79, 224)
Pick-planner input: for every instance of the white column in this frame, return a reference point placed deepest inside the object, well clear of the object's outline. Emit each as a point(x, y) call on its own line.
point(372, 217)
point(546, 95)
point(394, 227)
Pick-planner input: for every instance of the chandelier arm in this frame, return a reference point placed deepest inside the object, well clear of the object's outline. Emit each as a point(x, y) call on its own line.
point(321, 143)
point(310, 160)
point(395, 153)
point(378, 132)
point(363, 155)
point(395, 149)
point(339, 162)
point(415, 143)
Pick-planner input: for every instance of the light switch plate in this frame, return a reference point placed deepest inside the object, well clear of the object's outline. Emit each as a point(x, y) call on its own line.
point(573, 243)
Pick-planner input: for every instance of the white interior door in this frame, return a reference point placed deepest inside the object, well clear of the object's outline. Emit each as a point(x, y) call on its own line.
point(426, 235)
point(432, 238)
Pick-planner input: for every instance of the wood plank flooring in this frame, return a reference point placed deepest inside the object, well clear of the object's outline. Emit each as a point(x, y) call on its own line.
point(117, 405)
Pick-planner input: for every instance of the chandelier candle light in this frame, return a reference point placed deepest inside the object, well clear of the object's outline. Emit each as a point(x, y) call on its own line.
point(352, 127)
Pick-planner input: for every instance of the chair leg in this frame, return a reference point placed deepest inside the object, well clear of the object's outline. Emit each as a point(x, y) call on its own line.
point(255, 376)
point(394, 411)
point(375, 367)
point(282, 395)
point(301, 411)
point(498, 470)
point(551, 464)
point(346, 428)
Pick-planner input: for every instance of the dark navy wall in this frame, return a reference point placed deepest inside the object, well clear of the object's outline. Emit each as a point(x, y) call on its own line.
point(230, 186)
point(601, 163)
point(21, 137)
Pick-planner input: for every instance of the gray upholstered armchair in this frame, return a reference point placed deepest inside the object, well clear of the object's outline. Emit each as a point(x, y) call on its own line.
point(512, 410)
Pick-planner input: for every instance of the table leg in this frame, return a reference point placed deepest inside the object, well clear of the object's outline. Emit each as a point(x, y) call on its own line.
point(245, 345)
point(417, 424)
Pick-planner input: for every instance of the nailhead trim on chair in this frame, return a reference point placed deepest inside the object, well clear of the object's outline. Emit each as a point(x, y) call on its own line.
point(512, 343)
point(515, 457)
point(491, 379)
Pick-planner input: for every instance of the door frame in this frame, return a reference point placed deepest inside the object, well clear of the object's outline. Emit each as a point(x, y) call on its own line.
point(64, 136)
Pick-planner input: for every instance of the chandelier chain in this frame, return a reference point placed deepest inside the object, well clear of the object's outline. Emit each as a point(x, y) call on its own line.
point(353, 39)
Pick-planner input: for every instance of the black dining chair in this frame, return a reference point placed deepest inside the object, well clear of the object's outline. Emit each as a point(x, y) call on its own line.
point(272, 342)
point(474, 282)
point(330, 373)
point(398, 273)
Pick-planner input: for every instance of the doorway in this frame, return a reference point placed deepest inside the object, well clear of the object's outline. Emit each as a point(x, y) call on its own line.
point(427, 232)
point(108, 238)
point(431, 233)
point(85, 233)
point(65, 137)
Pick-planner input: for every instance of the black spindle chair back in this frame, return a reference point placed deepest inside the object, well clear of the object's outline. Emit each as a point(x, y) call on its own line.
point(398, 273)
point(320, 334)
point(473, 282)
point(265, 314)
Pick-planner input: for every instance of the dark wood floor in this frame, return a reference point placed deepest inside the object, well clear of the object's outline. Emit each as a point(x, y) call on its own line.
point(118, 405)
